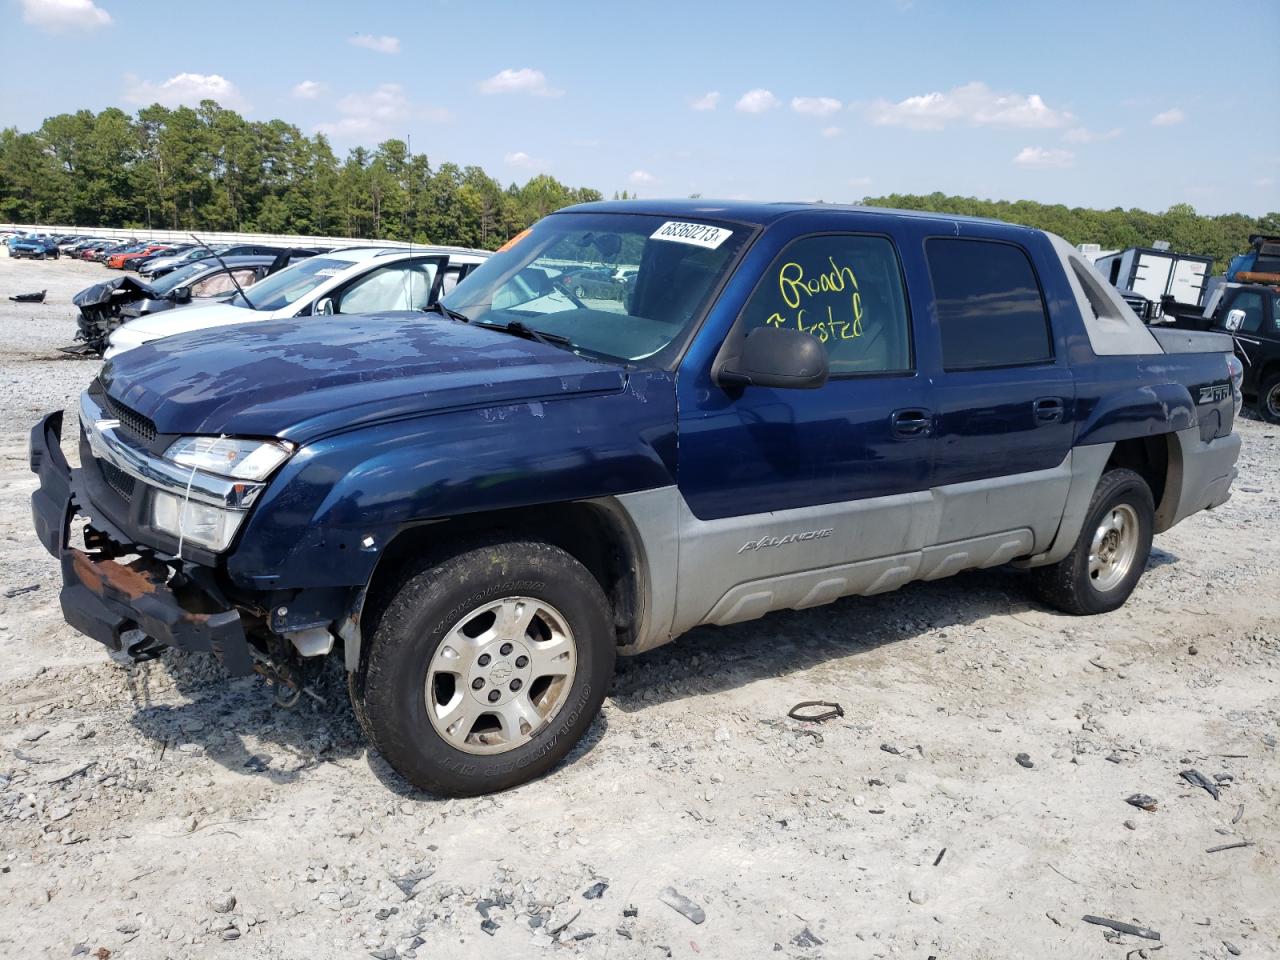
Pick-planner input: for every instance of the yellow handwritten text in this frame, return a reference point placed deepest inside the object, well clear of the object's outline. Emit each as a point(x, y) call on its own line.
point(794, 287)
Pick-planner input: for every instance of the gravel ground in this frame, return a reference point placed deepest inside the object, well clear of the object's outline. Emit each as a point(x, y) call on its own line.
point(156, 811)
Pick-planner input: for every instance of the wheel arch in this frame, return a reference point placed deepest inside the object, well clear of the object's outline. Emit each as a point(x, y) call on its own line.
point(598, 534)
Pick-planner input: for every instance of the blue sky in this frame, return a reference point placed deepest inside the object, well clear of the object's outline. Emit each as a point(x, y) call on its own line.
point(1141, 104)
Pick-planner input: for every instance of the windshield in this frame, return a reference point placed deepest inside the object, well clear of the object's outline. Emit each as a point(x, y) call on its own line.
point(624, 286)
point(292, 283)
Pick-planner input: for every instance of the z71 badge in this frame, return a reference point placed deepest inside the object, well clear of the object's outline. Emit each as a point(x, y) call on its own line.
point(1215, 392)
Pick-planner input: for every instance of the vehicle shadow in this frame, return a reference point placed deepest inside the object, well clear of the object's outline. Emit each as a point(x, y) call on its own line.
point(714, 659)
point(236, 723)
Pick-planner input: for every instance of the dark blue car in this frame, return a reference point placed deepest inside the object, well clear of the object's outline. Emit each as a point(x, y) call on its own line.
point(33, 247)
point(484, 504)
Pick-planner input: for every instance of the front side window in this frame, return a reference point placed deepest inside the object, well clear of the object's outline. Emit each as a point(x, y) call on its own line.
point(847, 292)
point(221, 283)
point(990, 310)
point(622, 286)
point(399, 286)
point(1250, 304)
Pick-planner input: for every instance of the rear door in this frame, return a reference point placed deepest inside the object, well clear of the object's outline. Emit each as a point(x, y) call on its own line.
point(1004, 393)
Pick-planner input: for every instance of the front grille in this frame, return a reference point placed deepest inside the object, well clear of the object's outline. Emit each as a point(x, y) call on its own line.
point(132, 421)
point(117, 479)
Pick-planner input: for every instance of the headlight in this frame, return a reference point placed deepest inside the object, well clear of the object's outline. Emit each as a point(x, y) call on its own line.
point(229, 456)
point(201, 523)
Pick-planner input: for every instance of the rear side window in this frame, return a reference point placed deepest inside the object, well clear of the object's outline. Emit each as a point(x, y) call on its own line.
point(990, 311)
point(845, 290)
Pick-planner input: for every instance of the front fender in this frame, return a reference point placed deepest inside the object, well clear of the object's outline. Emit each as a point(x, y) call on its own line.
point(325, 519)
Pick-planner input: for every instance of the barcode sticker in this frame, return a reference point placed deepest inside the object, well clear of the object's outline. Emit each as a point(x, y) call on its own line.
point(697, 234)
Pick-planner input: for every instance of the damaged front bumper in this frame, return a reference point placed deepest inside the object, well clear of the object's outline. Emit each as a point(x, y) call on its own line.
point(104, 598)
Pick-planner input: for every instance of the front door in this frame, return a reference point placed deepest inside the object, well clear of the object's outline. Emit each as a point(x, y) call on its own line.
point(778, 483)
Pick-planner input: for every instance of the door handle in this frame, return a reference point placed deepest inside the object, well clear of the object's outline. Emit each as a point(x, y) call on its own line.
point(908, 424)
point(1049, 410)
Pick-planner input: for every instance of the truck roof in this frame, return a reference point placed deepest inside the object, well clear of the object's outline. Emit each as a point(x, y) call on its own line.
point(757, 213)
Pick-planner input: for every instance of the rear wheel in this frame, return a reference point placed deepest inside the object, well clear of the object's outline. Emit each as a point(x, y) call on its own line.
point(1269, 399)
point(1111, 552)
point(484, 669)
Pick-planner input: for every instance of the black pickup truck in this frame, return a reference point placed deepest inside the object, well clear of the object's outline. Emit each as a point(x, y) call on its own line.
point(1251, 314)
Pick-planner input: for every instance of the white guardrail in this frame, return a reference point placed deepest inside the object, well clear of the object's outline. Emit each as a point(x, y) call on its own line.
point(207, 236)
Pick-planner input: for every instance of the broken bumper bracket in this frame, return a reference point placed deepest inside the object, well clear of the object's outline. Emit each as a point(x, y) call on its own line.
point(103, 598)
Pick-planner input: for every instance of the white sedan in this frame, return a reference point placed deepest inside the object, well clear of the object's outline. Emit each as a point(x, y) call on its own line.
point(354, 280)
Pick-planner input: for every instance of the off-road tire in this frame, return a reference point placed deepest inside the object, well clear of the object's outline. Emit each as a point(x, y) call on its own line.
point(1269, 398)
point(1067, 585)
point(405, 629)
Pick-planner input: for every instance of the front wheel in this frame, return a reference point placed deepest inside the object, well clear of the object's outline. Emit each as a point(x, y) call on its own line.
point(484, 669)
point(1111, 552)
point(1269, 399)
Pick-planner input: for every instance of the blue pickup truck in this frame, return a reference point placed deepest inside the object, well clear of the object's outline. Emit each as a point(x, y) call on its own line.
point(481, 505)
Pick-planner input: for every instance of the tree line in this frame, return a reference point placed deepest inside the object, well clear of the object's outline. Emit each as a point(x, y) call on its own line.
point(208, 168)
point(1220, 237)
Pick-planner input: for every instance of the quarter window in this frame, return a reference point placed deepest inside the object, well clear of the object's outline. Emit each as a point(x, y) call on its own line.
point(844, 290)
point(990, 311)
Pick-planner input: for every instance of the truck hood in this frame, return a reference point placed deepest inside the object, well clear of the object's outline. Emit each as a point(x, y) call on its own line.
point(300, 379)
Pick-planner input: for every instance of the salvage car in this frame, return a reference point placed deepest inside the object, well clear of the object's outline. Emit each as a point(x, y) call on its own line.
point(33, 247)
point(105, 306)
point(118, 259)
point(354, 280)
point(484, 505)
point(162, 265)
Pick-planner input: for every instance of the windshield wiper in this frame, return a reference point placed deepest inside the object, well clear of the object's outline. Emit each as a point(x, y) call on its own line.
point(445, 312)
point(521, 329)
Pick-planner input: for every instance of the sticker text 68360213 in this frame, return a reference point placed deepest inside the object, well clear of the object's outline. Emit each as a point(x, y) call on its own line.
point(697, 234)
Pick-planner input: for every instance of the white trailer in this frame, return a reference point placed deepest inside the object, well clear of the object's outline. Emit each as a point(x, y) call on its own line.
point(1153, 274)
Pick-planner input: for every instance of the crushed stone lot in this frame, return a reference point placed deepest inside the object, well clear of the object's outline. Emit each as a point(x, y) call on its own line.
point(158, 811)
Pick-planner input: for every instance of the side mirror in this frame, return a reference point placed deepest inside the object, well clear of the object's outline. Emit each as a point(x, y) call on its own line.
point(1234, 321)
point(181, 295)
point(323, 307)
point(777, 358)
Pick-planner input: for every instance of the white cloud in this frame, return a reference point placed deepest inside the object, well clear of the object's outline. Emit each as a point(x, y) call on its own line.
point(309, 89)
point(642, 178)
point(520, 159)
point(184, 88)
point(973, 103)
point(1265, 182)
point(756, 101)
point(1044, 158)
point(378, 44)
point(829, 133)
point(708, 101)
point(859, 181)
point(817, 106)
point(1168, 118)
point(379, 113)
point(524, 80)
point(1084, 135)
point(61, 14)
